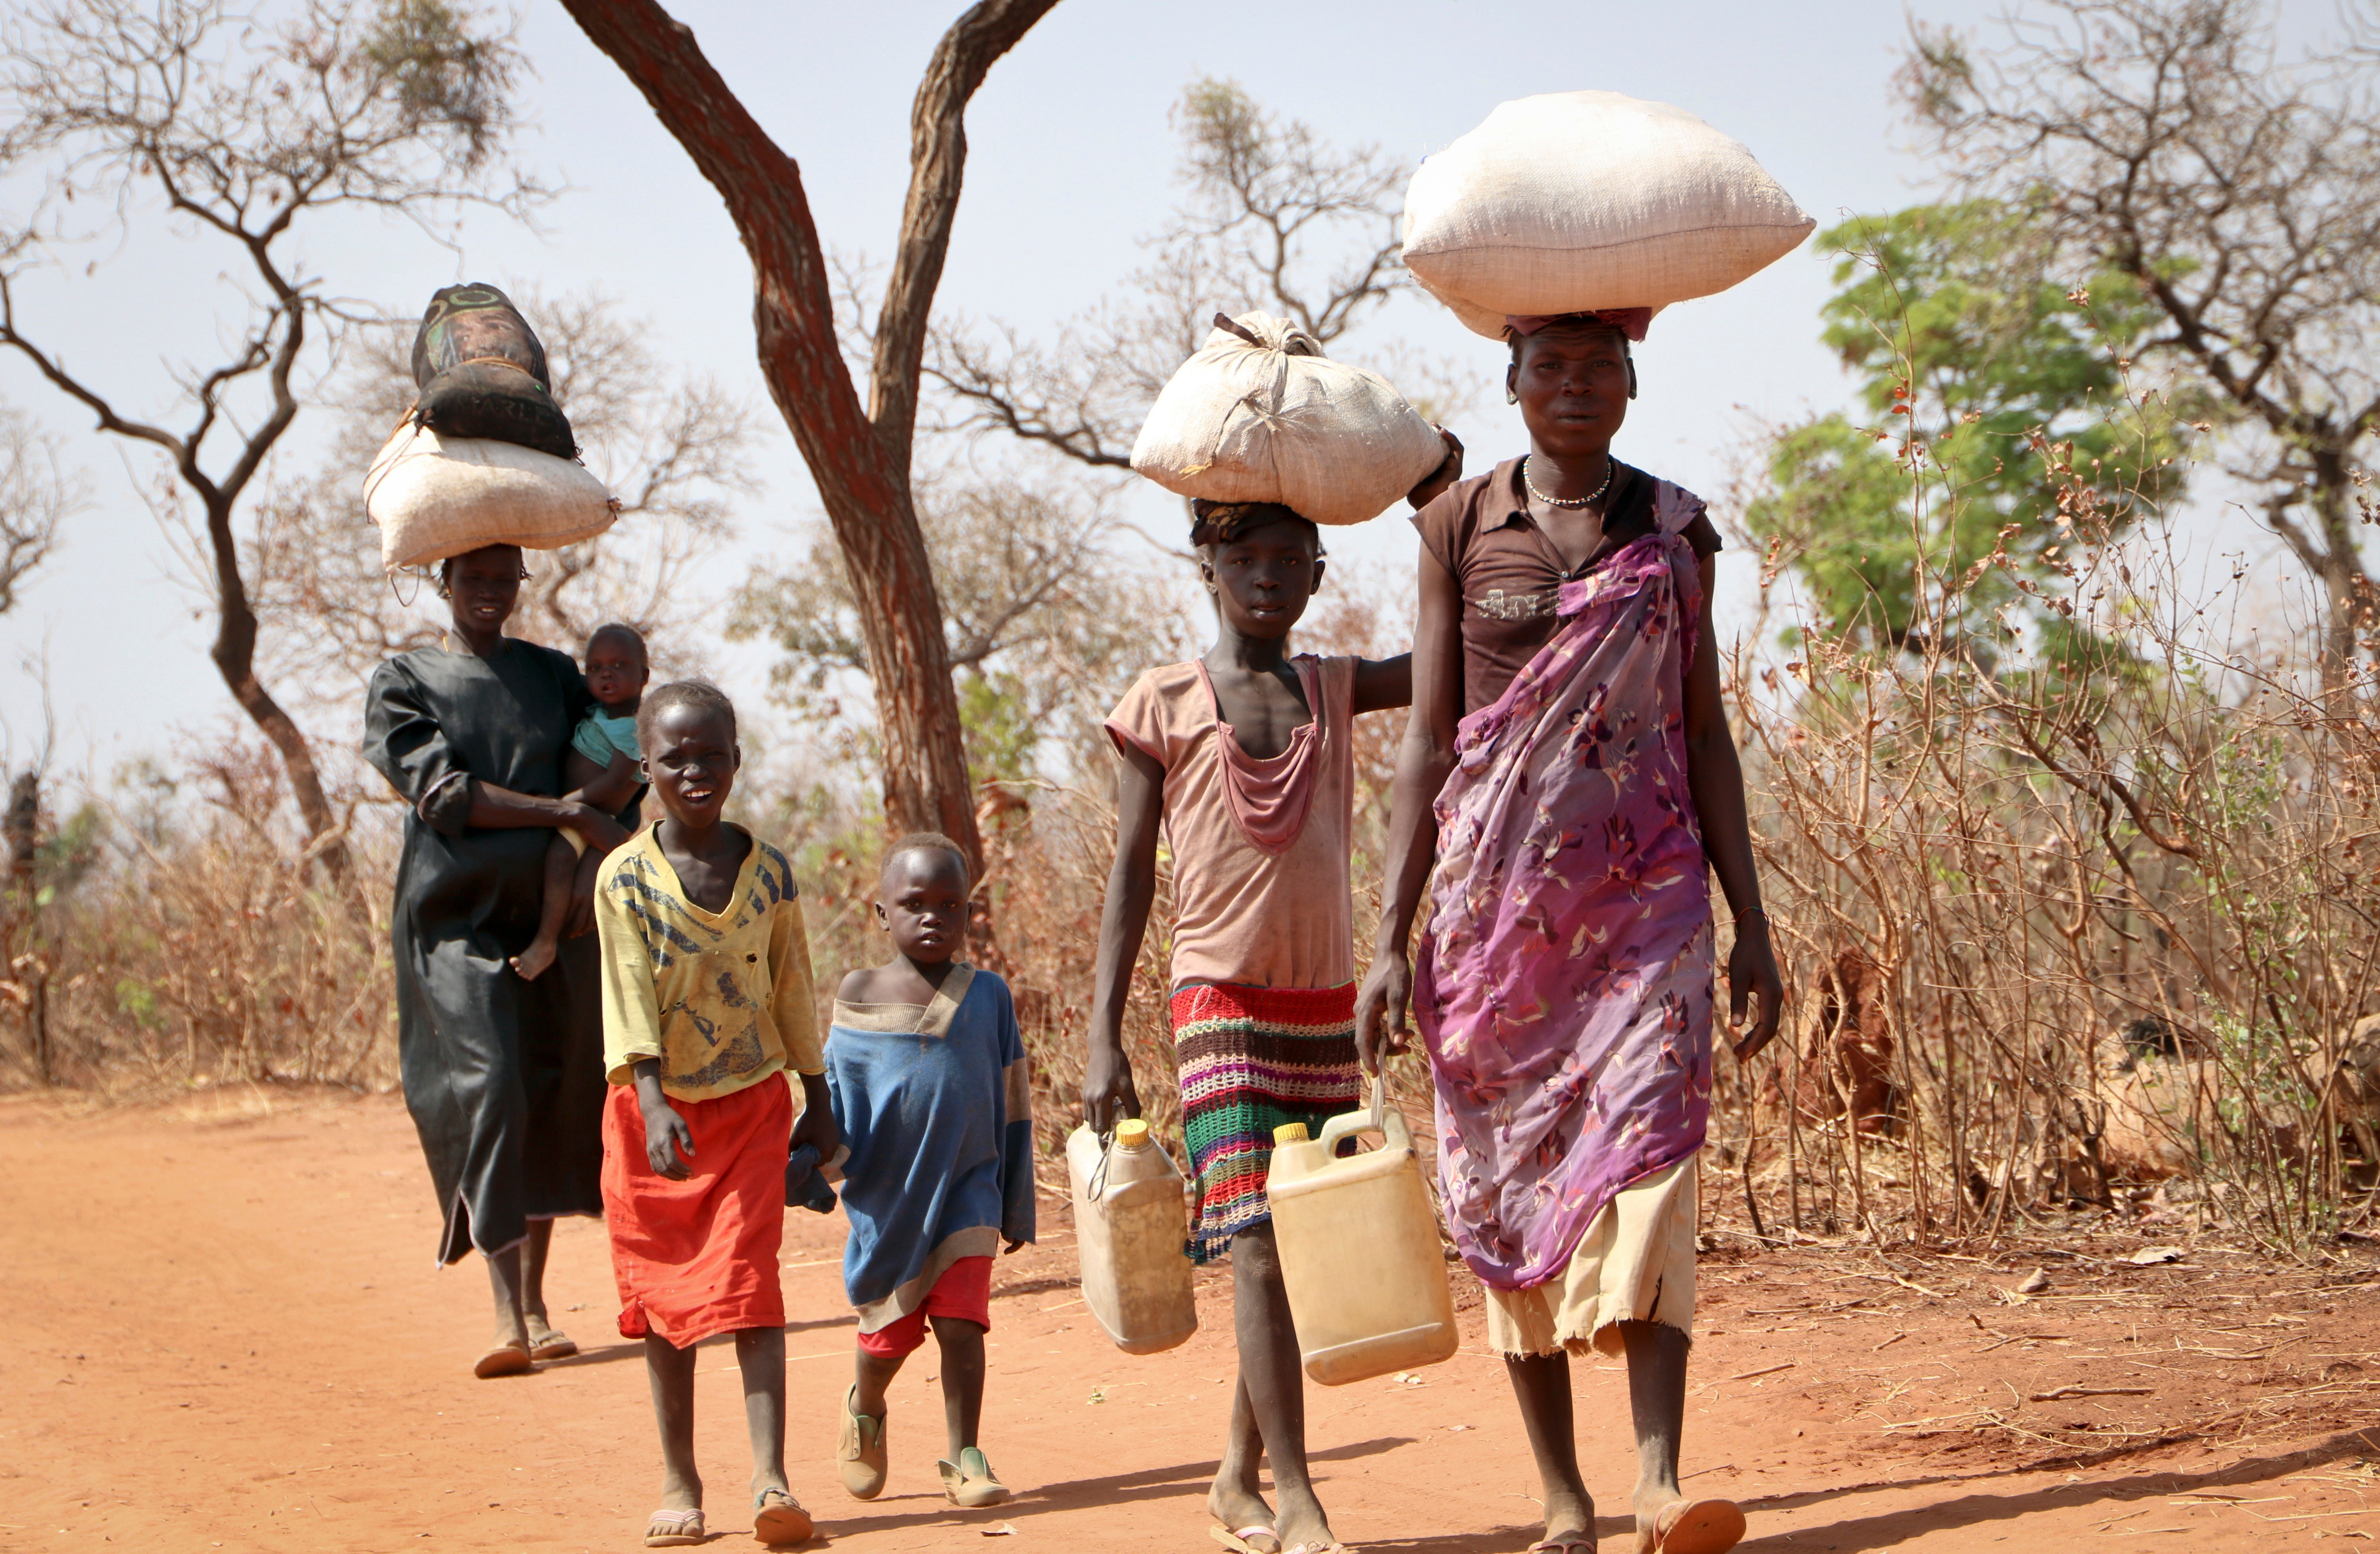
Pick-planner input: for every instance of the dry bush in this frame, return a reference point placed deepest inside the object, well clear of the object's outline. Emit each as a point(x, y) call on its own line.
point(2107, 818)
point(189, 942)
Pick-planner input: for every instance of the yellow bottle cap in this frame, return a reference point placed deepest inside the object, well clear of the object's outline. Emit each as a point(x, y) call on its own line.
point(1131, 1134)
point(1290, 1133)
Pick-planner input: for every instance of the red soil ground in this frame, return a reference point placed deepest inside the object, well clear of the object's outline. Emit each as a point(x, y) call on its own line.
point(228, 1335)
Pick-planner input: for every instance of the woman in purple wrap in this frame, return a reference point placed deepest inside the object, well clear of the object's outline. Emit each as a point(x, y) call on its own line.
point(1570, 771)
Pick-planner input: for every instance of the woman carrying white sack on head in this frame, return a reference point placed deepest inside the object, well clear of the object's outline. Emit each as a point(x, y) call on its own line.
point(1568, 782)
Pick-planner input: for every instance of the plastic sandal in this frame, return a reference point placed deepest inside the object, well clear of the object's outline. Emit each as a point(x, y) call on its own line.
point(1698, 1527)
point(778, 1518)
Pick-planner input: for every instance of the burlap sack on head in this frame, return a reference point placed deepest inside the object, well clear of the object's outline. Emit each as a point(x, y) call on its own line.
point(1578, 201)
point(1261, 415)
point(436, 497)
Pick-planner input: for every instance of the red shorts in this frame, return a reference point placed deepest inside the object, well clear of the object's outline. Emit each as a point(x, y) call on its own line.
point(964, 1290)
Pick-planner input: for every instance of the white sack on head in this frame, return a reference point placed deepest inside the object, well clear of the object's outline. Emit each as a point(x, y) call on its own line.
point(436, 497)
point(1273, 420)
point(1578, 201)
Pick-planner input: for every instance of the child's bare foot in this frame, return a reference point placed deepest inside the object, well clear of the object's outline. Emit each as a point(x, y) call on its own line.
point(1243, 1521)
point(530, 964)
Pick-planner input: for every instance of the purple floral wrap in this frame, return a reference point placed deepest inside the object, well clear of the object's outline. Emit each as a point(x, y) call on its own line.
point(1563, 989)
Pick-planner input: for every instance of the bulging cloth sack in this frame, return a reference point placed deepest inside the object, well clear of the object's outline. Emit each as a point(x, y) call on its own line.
point(1261, 415)
point(436, 497)
point(482, 373)
point(1580, 201)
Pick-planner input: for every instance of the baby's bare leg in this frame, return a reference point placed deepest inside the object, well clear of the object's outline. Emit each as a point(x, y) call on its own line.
point(671, 1370)
point(561, 869)
point(760, 1355)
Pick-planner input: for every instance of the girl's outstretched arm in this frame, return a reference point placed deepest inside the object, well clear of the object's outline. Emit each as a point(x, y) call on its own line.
point(1381, 684)
point(1716, 777)
point(1107, 1092)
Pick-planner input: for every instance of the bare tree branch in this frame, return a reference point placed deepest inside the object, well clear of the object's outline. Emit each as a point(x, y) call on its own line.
point(35, 497)
point(2170, 139)
point(396, 105)
point(1279, 219)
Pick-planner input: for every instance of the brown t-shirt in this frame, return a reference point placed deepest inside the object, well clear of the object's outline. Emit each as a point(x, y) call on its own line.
point(1480, 530)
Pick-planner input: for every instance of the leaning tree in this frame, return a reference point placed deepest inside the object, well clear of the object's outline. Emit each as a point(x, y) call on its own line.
point(859, 454)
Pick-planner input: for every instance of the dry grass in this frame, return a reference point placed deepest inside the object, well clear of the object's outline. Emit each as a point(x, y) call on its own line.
point(196, 946)
point(1985, 859)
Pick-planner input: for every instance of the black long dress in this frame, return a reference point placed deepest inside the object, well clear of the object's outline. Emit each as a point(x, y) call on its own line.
point(505, 1078)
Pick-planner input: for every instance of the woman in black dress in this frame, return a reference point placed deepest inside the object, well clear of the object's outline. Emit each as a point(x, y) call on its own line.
point(503, 1078)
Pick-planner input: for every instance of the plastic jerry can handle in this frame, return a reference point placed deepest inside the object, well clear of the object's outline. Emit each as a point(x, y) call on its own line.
point(1389, 1125)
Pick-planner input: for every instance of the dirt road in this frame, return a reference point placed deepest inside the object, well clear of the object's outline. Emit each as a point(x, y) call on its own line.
point(227, 1334)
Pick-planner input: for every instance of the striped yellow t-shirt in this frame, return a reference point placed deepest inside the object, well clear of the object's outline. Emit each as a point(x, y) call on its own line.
point(722, 999)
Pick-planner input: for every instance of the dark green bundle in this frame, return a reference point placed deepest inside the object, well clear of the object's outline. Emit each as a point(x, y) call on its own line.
point(482, 373)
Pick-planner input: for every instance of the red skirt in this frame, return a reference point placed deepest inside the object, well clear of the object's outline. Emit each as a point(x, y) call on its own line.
point(699, 1257)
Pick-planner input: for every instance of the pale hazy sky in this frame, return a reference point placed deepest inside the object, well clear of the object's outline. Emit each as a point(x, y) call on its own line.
point(1069, 162)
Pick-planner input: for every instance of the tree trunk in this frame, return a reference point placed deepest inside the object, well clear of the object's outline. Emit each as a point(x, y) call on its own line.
point(234, 656)
point(2346, 589)
point(21, 828)
point(858, 457)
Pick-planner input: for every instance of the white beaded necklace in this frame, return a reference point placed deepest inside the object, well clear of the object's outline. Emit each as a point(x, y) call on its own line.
point(1610, 467)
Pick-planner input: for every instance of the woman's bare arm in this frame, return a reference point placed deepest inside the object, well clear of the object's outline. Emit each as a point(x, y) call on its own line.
point(1715, 775)
point(495, 808)
point(1108, 1091)
point(1423, 764)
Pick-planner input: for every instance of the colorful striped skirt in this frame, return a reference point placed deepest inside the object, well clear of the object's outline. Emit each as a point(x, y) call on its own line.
point(1252, 1059)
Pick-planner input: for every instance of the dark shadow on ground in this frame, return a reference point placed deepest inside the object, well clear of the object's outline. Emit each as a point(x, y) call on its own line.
point(1121, 1488)
point(1897, 1529)
point(605, 1353)
point(1612, 1533)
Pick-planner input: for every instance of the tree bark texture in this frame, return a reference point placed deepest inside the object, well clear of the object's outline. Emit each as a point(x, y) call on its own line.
point(859, 457)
